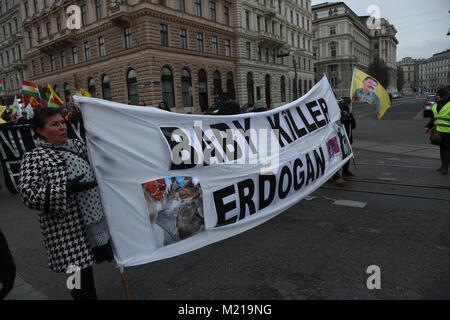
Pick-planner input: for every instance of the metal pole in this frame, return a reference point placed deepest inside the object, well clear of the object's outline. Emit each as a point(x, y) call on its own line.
point(125, 284)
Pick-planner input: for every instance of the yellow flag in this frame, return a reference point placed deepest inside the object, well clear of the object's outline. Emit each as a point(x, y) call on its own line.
point(2, 109)
point(85, 93)
point(368, 89)
point(54, 95)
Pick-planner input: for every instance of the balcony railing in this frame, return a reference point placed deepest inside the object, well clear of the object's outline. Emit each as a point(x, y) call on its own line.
point(271, 40)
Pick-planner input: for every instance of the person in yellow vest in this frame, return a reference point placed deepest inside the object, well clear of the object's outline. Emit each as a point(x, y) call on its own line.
point(441, 119)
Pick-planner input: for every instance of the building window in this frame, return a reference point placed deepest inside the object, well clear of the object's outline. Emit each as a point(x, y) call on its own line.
point(106, 88)
point(203, 90)
point(132, 88)
point(26, 9)
point(167, 87)
point(91, 87)
point(228, 48)
point(332, 30)
point(19, 51)
point(231, 95)
point(87, 51)
point(226, 16)
point(283, 89)
point(42, 65)
point(101, 47)
point(38, 31)
point(63, 59)
point(183, 39)
point(215, 47)
point(247, 20)
point(98, 9)
point(181, 5)
point(75, 55)
point(84, 15)
point(217, 86)
point(164, 36)
point(248, 47)
point(53, 62)
point(186, 88)
point(128, 38)
point(212, 8)
point(58, 24)
point(198, 8)
point(200, 42)
point(259, 53)
point(333, 49)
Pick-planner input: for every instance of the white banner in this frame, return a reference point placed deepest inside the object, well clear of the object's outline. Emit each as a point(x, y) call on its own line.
point(171, 183)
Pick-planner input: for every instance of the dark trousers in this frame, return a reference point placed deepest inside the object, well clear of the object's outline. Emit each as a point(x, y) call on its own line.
point(87, 290)
point(7, 267)
point(445, 150)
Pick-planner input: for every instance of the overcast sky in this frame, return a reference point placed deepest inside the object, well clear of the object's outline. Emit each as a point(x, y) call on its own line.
point(422, 25)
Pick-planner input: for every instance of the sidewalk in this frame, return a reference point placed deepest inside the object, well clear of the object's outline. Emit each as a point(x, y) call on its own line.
point(418, 150)
point(24, 291)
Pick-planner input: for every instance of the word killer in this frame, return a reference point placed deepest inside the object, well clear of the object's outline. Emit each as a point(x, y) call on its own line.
point(247, 197)
point(299, 121)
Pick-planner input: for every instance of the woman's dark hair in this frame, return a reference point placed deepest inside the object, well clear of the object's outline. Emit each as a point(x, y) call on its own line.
point(442, 91)
point(166, 107)
point(40, 118)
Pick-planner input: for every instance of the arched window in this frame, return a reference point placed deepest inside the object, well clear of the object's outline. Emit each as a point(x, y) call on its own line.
point(268, 91)
point(203, 90)
point(186, 88)
point(167, 87)
point(106, 88)
point(91, 87)
point(67, 92)
point(230, 86)
point(250, 89)
point(133, 94)
point(217, 85)
point(283, 89)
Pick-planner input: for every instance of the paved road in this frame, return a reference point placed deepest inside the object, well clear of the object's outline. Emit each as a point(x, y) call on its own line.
point(394, 214)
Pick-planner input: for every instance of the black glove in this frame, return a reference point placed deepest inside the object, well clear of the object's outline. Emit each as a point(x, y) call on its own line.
point(74, 185)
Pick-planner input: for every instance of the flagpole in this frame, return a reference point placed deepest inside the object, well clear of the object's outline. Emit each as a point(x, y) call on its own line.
point(351, 91)
point(125, 283)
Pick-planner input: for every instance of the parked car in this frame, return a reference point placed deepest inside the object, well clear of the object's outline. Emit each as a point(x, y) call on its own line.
point(396, 95)
point(224, 108)
point(256, 107)
point(427, 105)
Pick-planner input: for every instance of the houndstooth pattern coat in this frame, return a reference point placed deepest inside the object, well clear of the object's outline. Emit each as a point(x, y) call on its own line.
point(42, 184)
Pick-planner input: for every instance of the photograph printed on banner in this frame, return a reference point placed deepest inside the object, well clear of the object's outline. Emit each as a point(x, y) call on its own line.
point(175, 208)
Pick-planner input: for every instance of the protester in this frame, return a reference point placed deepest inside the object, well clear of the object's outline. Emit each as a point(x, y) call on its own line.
point(7, 268)
point(349, 123)
point(163, 106)
point(57, 179)
point(441, 120)
point(24, 118)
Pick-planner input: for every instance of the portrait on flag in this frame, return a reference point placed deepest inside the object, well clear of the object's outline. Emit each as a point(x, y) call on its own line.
point(369, 90)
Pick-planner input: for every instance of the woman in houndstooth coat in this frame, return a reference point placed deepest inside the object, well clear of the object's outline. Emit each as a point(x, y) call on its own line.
point(52, 180)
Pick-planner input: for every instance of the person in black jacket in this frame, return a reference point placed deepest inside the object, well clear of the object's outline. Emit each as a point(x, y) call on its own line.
point(349, 123)
point(7, 268)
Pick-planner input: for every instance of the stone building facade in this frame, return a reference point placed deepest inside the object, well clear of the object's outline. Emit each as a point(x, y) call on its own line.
point(342, 41)
point(135, 51)
point(434, 72)
point(274, 50)
point(12, 67)
point(410, 70)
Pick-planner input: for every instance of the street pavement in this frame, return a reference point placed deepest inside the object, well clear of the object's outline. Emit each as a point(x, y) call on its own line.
point(393, 214)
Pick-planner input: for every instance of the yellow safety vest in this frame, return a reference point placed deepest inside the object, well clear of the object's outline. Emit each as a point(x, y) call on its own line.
point(442, 119)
